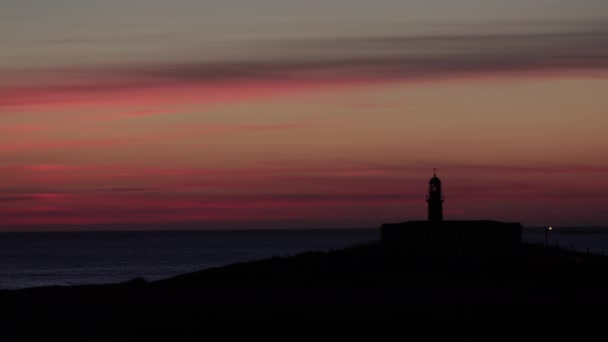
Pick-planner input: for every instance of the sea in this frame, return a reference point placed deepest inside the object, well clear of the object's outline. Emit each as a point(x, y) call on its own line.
point(78, 258)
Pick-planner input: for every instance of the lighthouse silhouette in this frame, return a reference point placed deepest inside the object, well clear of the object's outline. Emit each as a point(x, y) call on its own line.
point(436, 234)
point(435, 199)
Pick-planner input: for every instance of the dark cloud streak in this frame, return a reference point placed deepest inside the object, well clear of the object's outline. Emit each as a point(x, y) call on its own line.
point(343, 60)
point(402, 57)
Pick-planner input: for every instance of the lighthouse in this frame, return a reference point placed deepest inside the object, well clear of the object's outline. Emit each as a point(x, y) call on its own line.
point(435, 199)
point(435, 234)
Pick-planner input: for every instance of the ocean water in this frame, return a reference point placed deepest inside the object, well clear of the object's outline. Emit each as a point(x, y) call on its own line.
point(582, 239)
point(42, 259)
point(71, 258)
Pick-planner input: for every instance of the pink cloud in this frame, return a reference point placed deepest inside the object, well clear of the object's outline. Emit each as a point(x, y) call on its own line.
point(134, 114)
point(49, 196)
point(61, 193)
point(22, 129)
point(219, 129)
point(146, 209)
point(549, 169)
point(47, 167)
point(310, 175)
point(21, 147)
point(170, 131)
point(156, 94)
point(103, 209)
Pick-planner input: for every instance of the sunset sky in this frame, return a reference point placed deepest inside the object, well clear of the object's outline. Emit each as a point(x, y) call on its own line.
point(301, 114)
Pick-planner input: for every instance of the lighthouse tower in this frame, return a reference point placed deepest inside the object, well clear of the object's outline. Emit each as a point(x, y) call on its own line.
point(436, 234)
point(435, 199)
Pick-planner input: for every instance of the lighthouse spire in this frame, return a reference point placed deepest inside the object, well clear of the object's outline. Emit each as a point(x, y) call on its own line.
point(435, 199)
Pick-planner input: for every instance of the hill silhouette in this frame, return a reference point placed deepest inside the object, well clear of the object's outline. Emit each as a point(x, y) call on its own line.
point(370, 281)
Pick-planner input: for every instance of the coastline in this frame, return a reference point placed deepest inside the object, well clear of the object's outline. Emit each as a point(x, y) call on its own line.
point(368, 281)
point(79, 258)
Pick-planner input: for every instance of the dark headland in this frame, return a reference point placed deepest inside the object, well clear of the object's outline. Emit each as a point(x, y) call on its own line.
point(462, 282)
point(364, 282)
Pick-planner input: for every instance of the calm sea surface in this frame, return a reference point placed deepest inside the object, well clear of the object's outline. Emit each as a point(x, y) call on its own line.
point(592, 239)
point(40, 259)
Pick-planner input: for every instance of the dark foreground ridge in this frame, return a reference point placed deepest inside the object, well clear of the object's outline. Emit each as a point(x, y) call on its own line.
point(364, 282)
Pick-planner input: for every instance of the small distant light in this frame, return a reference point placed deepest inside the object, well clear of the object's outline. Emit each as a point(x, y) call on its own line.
point(550, 228)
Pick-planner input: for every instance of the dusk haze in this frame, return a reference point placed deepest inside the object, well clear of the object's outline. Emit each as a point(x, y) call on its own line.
point(301, 114)
point(167, 166)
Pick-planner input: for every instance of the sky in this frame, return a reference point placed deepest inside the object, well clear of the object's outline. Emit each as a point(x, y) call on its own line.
point(301, 114)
